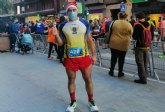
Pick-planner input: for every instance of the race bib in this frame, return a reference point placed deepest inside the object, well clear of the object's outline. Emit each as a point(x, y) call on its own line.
point(76, 51)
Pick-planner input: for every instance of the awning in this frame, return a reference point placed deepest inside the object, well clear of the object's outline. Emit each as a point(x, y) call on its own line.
point(6, 15)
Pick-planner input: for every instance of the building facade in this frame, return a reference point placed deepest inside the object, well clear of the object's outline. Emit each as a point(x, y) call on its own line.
point(32, 10)
point(107, 8)
point(152, 8)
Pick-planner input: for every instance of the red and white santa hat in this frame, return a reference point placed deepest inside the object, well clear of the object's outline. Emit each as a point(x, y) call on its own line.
point(71, 5)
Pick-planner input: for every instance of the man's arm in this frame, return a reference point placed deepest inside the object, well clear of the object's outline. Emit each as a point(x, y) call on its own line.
point(58, 39)
point(91, 47)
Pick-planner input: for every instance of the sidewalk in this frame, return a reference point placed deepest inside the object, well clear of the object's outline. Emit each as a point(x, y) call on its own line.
point(31, 83)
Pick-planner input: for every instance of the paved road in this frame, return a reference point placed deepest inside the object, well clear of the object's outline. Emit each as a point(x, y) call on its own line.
point(31, 83)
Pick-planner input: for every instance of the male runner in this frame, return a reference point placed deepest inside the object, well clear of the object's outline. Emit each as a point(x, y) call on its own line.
point(76, 37)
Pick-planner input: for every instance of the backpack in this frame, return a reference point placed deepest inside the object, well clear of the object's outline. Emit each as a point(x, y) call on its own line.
point(147, 36)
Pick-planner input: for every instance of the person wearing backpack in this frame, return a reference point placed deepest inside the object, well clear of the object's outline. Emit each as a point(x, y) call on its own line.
point(162, 34)
point(142, 35)
point(61, 48)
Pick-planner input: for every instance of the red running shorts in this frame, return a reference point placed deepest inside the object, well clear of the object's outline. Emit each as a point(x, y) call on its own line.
point(76, 64)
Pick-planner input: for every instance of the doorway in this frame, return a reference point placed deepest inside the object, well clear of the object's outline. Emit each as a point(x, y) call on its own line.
point(114, 13)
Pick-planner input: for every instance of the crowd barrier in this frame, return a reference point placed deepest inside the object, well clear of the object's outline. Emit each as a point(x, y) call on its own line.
point(104, 55)
point(41, 44)
point(155, 62)
point(158, 63)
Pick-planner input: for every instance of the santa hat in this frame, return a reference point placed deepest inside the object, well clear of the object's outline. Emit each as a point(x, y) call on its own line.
point(71, 5)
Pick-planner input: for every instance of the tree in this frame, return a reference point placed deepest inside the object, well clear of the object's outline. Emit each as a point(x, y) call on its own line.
point(5, 6)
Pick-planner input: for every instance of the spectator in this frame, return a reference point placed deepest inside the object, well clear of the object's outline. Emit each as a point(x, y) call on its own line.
point(29, 24)
point(163, 37)
point(152, 28)
point(91, 24)
point(132, 21)
point(61, 48)
point(141, 51)
point(46, 28)
point(26, 29)
point(77, 38)
point(96, 24)
point(21, 28)
point(51, 40)
point(39, 27)
point(119, 42)
point(39, 30)
point(32, 28)
point(14, 33)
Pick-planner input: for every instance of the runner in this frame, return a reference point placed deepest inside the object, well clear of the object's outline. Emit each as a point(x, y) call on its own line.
point(77, 38)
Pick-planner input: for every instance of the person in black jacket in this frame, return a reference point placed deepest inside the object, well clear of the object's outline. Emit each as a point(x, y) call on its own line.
point(61, 48)
point(141, 52)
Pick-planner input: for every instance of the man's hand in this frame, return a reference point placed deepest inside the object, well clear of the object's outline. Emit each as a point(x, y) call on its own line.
point(94, 60)
point(54, 30)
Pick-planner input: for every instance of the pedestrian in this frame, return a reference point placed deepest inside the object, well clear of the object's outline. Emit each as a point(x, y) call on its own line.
point(14, 33)
point(141, 49)
point(163, 37)
point(32, 28)
point(27, 29)
point(39, 27)
point(39, 30)
point(45, 28)
point(61, 48)
point(51, 40)
point(91, 24)
point(132, 21)
point(77, 38)
point(119, 42)
point(152, 28)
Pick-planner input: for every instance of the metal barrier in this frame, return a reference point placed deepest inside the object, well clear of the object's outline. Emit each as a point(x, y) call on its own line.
point(45, 43)
point(38, 42)
point(158, 64)
point(41, 44)
point(104, 55)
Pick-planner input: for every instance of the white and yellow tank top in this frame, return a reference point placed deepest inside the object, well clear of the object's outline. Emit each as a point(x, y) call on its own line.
point(75, 38)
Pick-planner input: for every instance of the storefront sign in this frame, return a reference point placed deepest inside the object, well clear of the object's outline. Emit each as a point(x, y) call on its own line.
point(122, 7)
point(79, 5)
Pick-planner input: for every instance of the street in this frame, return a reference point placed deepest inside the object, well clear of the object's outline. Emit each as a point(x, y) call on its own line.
point(31, 83)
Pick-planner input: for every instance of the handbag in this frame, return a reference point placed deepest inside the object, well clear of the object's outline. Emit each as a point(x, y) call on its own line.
point(108, 35)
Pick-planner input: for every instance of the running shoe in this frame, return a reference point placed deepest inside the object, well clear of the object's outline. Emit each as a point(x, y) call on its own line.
point(72, 106)
point(92, 106)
